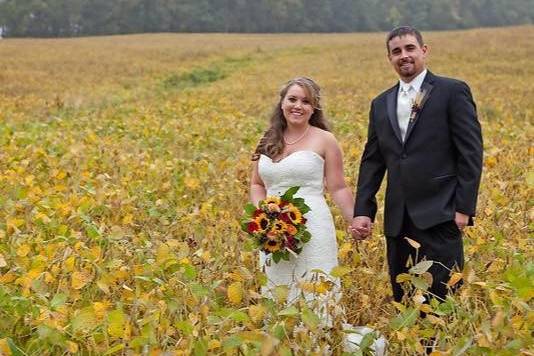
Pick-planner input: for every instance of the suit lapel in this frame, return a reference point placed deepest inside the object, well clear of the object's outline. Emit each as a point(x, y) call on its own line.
point(391, 103)
point(427, 88)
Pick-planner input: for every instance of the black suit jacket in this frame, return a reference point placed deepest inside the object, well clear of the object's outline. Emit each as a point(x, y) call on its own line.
point(436, 170)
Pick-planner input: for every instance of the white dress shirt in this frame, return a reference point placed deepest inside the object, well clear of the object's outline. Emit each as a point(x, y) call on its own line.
point(405, 99)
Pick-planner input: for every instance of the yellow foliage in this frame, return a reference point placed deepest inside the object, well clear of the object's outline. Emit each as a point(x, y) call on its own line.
point(3, 262)
point(256, 312)
point(13, 224)
point(214, 344)
point(80, 279)
point(4, 347)
point(192, 183)
point(235, 292)
point(101, 308)
point(8, 277)
point(127, 220)
point(72, 347)
point(23, 250)
point(344, 250)
point(69, 264)
point(455, 278)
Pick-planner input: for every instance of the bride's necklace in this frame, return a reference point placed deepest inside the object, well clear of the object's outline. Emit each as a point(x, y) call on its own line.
point(298, 139)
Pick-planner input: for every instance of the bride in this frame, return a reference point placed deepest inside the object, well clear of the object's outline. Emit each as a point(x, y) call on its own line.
point(298, 149)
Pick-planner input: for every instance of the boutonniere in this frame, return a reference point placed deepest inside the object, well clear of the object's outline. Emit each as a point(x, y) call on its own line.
point(417, 104)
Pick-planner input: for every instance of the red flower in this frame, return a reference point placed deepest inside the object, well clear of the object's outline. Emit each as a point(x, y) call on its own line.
point(257, 212)
point(290, 242)
point(303, 220)
point(285, 218)
point(252, 227)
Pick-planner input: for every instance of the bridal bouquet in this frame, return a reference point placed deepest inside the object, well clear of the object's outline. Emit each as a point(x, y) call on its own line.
point(277, 224)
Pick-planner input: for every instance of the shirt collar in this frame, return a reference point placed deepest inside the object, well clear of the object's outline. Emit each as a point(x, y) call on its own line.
point(415, 83)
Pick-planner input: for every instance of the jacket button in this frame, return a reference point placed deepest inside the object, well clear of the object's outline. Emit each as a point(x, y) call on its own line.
point(404, 156)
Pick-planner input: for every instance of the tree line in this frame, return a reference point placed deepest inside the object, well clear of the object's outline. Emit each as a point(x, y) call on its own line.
point(65, 18)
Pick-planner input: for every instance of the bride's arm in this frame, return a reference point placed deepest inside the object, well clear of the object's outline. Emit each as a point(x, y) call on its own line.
point(257, 188)
point(335, 180)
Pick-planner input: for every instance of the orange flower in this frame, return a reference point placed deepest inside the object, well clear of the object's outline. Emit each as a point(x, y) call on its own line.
point(291, 229)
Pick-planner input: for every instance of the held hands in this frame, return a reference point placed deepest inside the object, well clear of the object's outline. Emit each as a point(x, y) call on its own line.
point(461, 220)
point(361, 227)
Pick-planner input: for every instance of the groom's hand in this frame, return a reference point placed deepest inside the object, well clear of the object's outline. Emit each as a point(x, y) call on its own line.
point(461, 220)
point(361, 227)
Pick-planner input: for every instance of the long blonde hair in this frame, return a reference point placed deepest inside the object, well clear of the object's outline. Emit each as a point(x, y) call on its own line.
point(272, 142)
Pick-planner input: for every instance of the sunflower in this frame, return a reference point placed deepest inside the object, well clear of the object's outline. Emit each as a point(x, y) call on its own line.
point(272, 200)
point(294, 214)
point(278, 227)
point(273, 243)
point(262, 221)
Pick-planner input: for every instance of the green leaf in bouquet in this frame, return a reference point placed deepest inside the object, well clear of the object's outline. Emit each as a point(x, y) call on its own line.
point(298, 202)
point(285, 256)
point(277, 256)
point(288, 195)
point(244, 225)
point(306, 236)
point(304, 208)
point(250, 209)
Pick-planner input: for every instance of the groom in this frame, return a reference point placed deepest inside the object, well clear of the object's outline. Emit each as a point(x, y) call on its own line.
point(425, 133)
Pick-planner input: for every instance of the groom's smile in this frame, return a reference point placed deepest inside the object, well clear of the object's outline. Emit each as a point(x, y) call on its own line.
point(407, 56)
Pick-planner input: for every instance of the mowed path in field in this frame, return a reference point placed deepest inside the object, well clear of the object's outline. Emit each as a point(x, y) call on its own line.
point(128, 150)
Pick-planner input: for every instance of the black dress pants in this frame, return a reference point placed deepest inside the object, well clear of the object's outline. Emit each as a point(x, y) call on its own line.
point(440, 243)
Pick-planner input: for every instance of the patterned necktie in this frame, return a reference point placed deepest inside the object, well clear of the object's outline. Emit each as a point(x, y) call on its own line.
point(404, 109)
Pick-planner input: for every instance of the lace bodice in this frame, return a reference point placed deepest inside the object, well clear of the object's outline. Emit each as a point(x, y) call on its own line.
point(301, 168)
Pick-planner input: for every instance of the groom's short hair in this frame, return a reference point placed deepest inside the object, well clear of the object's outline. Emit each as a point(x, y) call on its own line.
point(403, 31)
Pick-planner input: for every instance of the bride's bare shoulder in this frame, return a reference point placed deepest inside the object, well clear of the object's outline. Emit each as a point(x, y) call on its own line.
point(327, 138)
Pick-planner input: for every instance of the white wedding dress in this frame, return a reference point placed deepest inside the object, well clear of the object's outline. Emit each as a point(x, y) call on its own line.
point(319, 256)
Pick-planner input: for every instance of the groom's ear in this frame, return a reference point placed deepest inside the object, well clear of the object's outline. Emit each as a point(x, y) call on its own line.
point(426, 49)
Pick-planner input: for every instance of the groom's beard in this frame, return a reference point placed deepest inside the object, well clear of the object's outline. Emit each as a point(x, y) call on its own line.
point(407, 68)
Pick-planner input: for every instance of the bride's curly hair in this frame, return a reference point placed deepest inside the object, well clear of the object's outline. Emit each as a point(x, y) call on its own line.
point(272, 142)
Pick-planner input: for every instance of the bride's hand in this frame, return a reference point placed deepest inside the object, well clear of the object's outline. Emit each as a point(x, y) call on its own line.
point(361, 227)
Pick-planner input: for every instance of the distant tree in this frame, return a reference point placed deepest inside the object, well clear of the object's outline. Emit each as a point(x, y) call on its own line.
point(53, 18)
